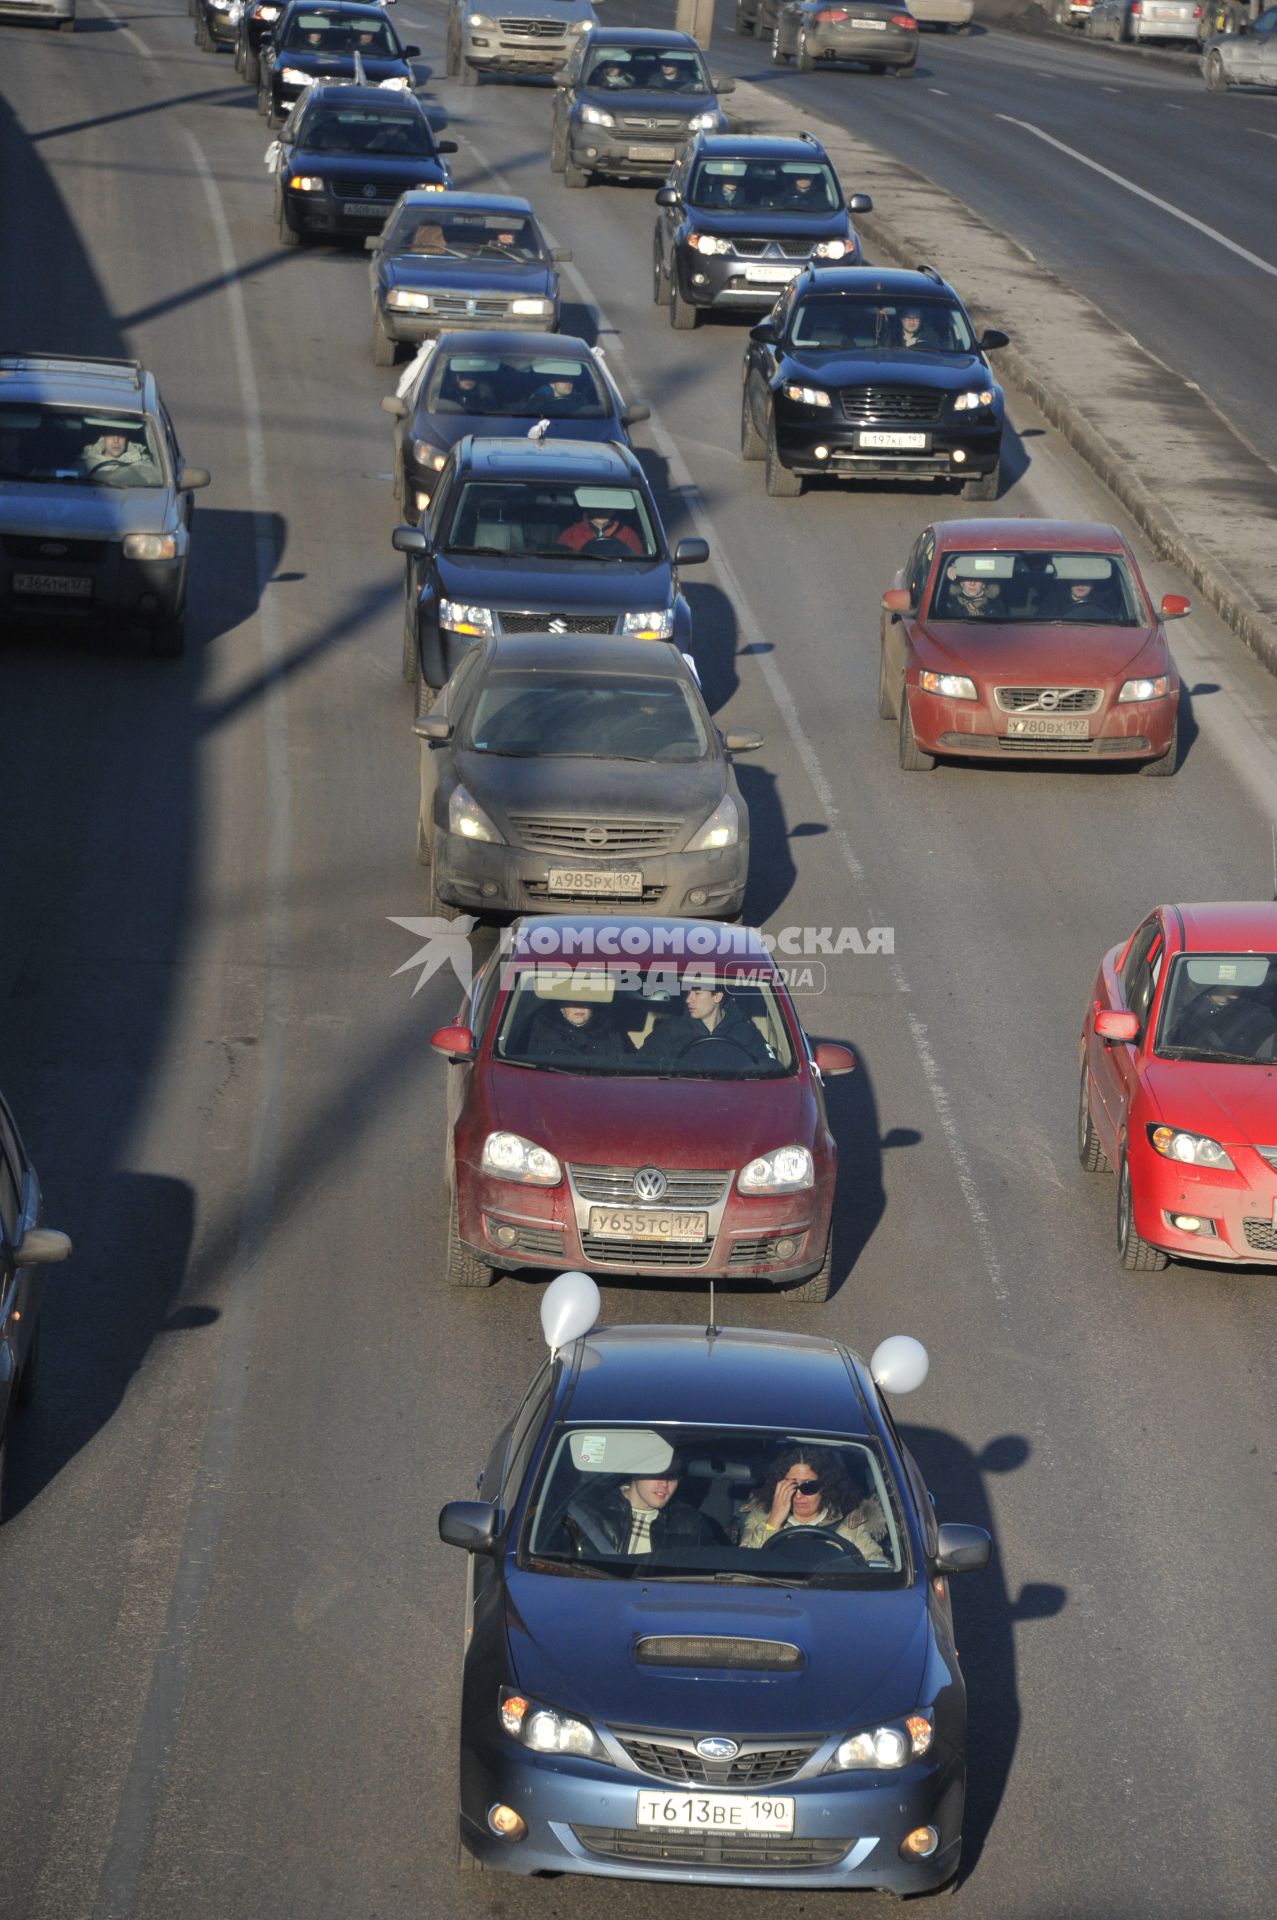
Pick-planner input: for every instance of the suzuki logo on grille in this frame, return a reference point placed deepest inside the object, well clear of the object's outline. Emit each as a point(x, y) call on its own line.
point(54, 548)
point(716, 1748)
point(1048, 699)
point(370, 193)
point(650, 1184)
point(594, 836)
point(561, 626)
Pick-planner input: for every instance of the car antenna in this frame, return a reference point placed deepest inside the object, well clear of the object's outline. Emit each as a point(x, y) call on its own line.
point(361, 78)
point(713, 1330)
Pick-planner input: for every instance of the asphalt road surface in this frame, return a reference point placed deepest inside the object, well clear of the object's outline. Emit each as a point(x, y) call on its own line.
point(232, 1642)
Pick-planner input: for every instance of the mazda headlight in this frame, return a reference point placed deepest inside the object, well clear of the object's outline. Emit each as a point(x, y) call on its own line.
point(656, 625)
point(595, 117)
point(703, 122)
point(807, 396)
point(784, 1170)
point(305, 183)
point(833, 249)
point(951, 686)
point(402, 297)
point(468, 821)
point(1190, 1149)
point(531, 306)
point(884, 1748)
point(708, 243)
point(397, 83)
point(460, 618)
point(970, 402)
point(427, 456)
point(150, 546)
point(542, 1728)
point(722, 829)
point(294, 77)
point(1146, 689)
point(511, 1157)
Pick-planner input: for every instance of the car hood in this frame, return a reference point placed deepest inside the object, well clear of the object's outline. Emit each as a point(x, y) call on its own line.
point(412, 270)
point(443, 430)
point(777, 225)
point(571, 1643)
point(1071, 653)
point(835, 367)
point(1235, 1105)
point(402, 168)
point(606, 1119)
point(550, 586)
point(83, 513)
point(653, 106)
point(594, 788)
point(341, 66)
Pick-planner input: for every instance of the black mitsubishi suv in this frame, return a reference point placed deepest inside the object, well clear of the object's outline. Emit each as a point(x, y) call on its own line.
point(872, 375)
point(741, 216)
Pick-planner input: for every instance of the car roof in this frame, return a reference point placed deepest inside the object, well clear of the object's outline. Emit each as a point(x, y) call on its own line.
point(1228, 926)
point(737, 1376)
point(1064, 536)
point(762, 146)
point(354, 8)
point(510, 339)
point(601, 656)
point(463, 202)
point(609, 940)
point(893, 282)
point(76, 378)
point(568, 459)
point(642, 37)
point(336, 94)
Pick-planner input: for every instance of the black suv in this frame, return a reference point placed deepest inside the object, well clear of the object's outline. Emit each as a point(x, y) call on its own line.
point(741, 216)
point(872, 375)
point(538, 536)
point(314, 43)
point(627, 103)
point(256, 23)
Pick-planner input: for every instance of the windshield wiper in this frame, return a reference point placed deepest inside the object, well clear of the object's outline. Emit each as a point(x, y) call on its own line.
point(1209, 1054)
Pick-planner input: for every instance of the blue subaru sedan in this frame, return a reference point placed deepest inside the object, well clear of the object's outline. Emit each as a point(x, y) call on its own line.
point(708, 1631)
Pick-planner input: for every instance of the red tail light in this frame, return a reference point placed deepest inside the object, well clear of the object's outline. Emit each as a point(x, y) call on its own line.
point(832, 16)
point(905, 20)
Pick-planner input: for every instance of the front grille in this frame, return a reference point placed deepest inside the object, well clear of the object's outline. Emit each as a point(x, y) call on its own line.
point(754, 1766)
point(459, 306)
point(647, 123)
point(685, 1186)
point(601, 1252)
point(1261, 1235)
point(388, 190)
point(1120, 748)
point(890, 403)
point(539, 890)
point(78, 552)
point(670, 1846)
point(753, 1253)
point(551, 833)
point(534, 29)
point(780, 249)
point(1058, 699)
point(562, 622)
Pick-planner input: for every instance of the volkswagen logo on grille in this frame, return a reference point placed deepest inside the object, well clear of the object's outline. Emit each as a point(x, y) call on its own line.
point(594, 836)
point(1048, 699)
point(472, 306)
point(717, 1748)
point(54, 549)
point(370, 192)
point(561, 626)
point(650, 1184)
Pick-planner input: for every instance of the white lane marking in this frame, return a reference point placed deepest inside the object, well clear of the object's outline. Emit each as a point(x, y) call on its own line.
point(1110, 89)
point(939, 92)
point(1171, 107)
point(125, 33)
point(155, 1743)
point(1176, 213)
point(1263, 133)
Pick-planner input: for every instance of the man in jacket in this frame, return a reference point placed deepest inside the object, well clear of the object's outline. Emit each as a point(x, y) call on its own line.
point(640, 1515)
point(709, 1014)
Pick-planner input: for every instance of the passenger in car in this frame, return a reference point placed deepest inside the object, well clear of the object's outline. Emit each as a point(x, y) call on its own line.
point(640, 1515)
point(568, 1033)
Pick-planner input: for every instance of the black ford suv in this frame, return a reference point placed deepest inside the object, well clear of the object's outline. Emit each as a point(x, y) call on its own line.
point(537, 536)
point(872, 375)
point(741, 216)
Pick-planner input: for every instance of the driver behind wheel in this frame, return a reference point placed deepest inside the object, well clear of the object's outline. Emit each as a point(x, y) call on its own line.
point(708, 1014)
point(810, 1487)
point(599, 523)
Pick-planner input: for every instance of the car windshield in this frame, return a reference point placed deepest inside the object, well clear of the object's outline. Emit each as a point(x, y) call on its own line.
point(739, 1506)
point(668, 1022)
point(524, 386)
point(489, 239)
point(647, 70)
point(526, 714)
point(764, 186)
point(552, 520)
point(868, 323)
point(1222, 1007)
point(366, 130)
point(1073, 589)
point(315, 30)
point(69, 446)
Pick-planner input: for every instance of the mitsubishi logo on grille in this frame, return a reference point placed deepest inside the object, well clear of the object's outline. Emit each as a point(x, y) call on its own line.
point(595, 836)
point(1048, 699)
point(370, 192)
point(650, 1184)
point(717, 1748)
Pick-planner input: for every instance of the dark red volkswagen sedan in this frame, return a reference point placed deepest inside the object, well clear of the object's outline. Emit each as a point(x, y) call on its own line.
point(637, 1097)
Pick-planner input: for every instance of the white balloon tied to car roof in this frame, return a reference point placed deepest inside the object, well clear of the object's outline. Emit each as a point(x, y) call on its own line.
point(900, 1364)
point(569, 1307)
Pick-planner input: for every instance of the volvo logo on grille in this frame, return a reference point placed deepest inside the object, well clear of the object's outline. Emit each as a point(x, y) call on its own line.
point(650, 1184)
point(370, 192)
point(1048, 699)
point(717, 1748)
point(54, 549)
point(594, 836)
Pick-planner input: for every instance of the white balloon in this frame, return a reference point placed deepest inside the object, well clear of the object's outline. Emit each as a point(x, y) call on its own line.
point(569, 1307)
point(900, 1363)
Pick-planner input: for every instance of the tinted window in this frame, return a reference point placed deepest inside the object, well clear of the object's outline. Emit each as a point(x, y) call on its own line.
point(868, 323)
point(1074, 589)
point(554, 521)
point(72, 446)
point(527, 386)
point(315, 30)
point(530, 715)
point(779, 186)
point(483, 237)
point(647, 70)
point(328, 129)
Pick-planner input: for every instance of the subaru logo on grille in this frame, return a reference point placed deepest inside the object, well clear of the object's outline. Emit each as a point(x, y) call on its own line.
point(594, 836)
point(650, 1184)
point(370, 192)
point(717, 1748)
point(1048, 699)
point(54, 549)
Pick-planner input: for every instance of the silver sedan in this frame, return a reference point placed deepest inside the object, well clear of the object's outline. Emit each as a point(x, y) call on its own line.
point(1247, 58)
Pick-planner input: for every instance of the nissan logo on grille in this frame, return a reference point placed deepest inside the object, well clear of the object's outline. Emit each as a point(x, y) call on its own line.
point(650, 1183)
point(717, 1748)
point(595, 836)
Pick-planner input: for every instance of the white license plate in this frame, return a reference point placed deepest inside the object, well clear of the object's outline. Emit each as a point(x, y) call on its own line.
point(1037, 726)
point(717, 1812)
point(652, 153)
point(635, 1223)
point(869, 26)
point(588, 880)
point(371, 209)
point(772, 276)
point(894, 442)
point(71, 586)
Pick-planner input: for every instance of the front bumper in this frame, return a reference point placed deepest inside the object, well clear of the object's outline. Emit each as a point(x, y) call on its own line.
point(491, 878)
point(412, 325)
point(974, 729)
point(724, 280)
point(103, 588)
point(801, 430)
point(890, 48)
point(625, 157)
point(506, 52)
point(326, 213)
point(1238, 1211)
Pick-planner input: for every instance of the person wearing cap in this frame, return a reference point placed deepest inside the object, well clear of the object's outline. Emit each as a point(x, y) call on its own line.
point(809, 1486)
point(638, 1515)
point(708, 1014)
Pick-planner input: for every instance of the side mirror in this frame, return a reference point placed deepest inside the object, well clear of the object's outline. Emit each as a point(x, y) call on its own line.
point(633, 415)
point(560, 78)
point(373, 242)
point(446, 146)
point(725, 86)
point(456, 1042)
point(468, 1524)
point(1111, 1025)
point(1175, 606)
point(958, 1549)
point(691, 553)
point(41, 1247)
point(833, 1059)
point(409, 540)
point(742, 740)
point(432, 727)
point(562, 254)
point(190, 479)
point(668, 197)
point(412, 53)
point(894, 600)
point(992, 338)
point(860, 203)
point(394, 406)
point(764, 333)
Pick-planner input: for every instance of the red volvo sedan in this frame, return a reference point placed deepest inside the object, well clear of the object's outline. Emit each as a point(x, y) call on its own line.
point(1179, 1085)
point(637, 1097)
point(1027, 638)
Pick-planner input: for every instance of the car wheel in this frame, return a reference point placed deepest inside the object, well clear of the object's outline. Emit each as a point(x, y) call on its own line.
point(289, 236)
point(1135, 1253)
point(683, 315)
point(1216, 78)
point(886, 705)
point(816, 1288)
point(384, 349)
point(452, 57)
point(574, 176)
point(778, 58)
point(168, 640)
point(752, 444)
point(904, 73)
point(781, 484)
point(910, 755)
point(558, 160)
point(30, 1373)
point(411, 651)
point(463, 1268)
point(744, 22)
point(203, 38)
point(804, 61)
point(424, 850)
point(252, 68)
point(983, 486)
point(1164, 766)
point(1089, 1151)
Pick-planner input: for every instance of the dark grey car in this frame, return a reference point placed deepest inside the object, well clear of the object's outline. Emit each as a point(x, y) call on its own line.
point(26, 1247)
point(559, 770)
point(627, 103)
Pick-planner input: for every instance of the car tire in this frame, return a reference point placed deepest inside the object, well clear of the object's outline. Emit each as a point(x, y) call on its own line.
point(252, 68)
point(904, 73)
point(780, 482)
point(574, 176)
point(683, 315)
point(452, 57)
point(385, 351)
point(411, 650)
point(804, 61)
point(289, 236)
point(752, 444)
point(886, 705)
point(25, 1391)
point(1089, 1151)
point(1135, 1253)
point(983, 486)
point(816, 1287)
point(463, 1268)
point(660, 282)
point(67, 26)
point(910, 755)
point(203, 38)
point(397, 474)
point(425, 852)
point(779, 59)
point(1216, 77)
point(1165, 764)
point(168, 640)
point(558, 153)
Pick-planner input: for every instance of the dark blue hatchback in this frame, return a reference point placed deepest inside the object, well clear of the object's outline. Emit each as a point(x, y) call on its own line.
point(709, 1635)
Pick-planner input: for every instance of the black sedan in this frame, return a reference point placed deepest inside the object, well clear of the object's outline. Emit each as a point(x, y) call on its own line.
point(495, 386)
point(315, 43)
point(346, 155)
point(552, 763)
point(460, 260)
point(254, 23)
point(708, 1628)
point(627, 103)
point(27, 1246)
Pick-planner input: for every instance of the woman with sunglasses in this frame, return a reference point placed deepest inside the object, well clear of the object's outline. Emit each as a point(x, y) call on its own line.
point(810, 1487)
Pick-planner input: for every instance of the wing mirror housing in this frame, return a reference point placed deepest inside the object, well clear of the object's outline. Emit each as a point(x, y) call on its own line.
point(373, 242)
point(41, 1247)
point(833, 1059)
point(409, 540)
point(894, 600)
point(742, 740)
point(764, 333)
point(456, 1042)
point(633, 415)
point(393, 405)
point(446, 146)
point(468, 1524)
point(412, 53)
point(432, 727)
point(668, 197)
point(691, 553)
point(1175, 606)
point(992, 338)
point(860, 203)
point(1113, 1025)
point(562, 254)
point(191, 478)
point(959, 1549)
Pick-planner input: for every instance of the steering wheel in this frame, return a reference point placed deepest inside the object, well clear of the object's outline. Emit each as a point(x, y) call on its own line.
point(606, 548)
point(724, 1041)
point(790, 1542)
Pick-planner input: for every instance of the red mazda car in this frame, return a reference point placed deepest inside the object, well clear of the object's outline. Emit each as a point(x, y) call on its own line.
point(1179, 1085)
point(637, 1097)
point(1027, 638)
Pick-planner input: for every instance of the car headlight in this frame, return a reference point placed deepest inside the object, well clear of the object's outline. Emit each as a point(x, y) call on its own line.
point(460, 618)
point(784, 1170)
point(703, 122)
point(480, 20)
point(305, 183)
point(468, 821)
point(150, 546)
point(656, 625)
point(433, 186)
point(530, 306)
point(595, 117)
point(832, 249)
point(1190, 1149)
point(969, 402)
point(951, 686)
point(807, 396)
point(885, 1747)
point(294, 77)
point(542, 1727)
point(427, 456)
point(402, 297)
point(397, 83)
point(722, 829)
point(511, 1157)
point(708, 243)
point(1148, 689)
